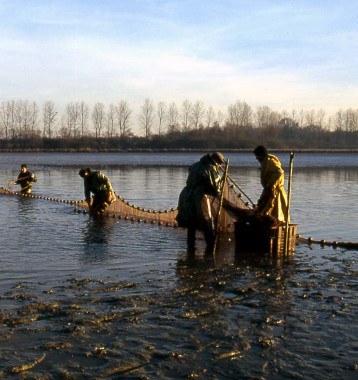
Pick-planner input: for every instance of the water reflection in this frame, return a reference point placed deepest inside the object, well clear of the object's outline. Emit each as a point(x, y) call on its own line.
point(100, 295)
point(226, 255)
point(25, 207)
point(238, 313)
point(97, 238)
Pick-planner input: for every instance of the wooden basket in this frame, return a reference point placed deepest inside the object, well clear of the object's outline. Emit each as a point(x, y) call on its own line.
point(263, 239)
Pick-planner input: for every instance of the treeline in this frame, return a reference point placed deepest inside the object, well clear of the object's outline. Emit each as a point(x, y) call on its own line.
point(24, 125)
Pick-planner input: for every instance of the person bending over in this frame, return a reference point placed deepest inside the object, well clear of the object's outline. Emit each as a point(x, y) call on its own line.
point(194, 208)
point(96, 183)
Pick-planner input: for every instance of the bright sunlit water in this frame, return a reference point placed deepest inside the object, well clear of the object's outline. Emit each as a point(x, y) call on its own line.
point(86, 298)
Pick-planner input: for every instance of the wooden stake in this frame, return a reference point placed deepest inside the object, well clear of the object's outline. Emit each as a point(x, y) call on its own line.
point(292, 155)
point(220, 205)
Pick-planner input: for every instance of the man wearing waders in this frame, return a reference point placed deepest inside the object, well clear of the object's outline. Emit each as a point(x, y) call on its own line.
point(100, 186)
point(194, 209)
point(273, 199)
point(25, 180)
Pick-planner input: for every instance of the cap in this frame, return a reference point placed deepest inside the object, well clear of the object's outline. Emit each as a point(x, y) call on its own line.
point(261, 151)
point(218, 157)
point(82, 172)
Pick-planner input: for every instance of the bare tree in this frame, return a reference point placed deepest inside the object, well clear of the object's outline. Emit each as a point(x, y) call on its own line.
point(33, 120)
point(25, 118)
point(262, 116)
point(12, 118)
point(63, 131)
point(98, 118)
point(197, 114)
point(310, 117)
point(161, 114)
point(19, 119)
point(320, 116)
point(83, 115)
point(266, 117)
point(350, 120)
point(173, 116)
point(209, 117)
point(8, 118)
point(16, 118)
point(220, 117)
point(123, 117)
point(294, 116)
point(146, 117)
point(339, 120)
point(240, 115)
point(111, 117)
point(72, 119)
point(186, 110)
point(49, 117)
point(301, 119)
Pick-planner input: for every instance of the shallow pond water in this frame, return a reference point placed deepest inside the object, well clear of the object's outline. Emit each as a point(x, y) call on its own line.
point(107, 298)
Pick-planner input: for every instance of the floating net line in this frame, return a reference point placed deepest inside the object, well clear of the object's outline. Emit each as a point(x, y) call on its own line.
point(122, 209)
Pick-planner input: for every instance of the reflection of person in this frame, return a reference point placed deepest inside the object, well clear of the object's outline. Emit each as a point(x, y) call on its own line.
point(273, 200)
point(194, 209)
point(25, 180)
point(99, 185)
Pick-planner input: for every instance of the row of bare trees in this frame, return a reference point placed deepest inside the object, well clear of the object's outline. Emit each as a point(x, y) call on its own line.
point(23, 119)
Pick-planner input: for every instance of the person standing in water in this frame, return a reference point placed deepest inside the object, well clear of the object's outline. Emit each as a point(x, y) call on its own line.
point(25, 180)
point(194, 208)
point(273, 199)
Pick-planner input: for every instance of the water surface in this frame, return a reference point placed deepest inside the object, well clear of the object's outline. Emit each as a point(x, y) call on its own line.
point(89, 298)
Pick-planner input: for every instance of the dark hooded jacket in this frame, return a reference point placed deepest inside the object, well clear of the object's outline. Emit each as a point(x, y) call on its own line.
point(203, 181)
point(25, 180)
point(97, 183)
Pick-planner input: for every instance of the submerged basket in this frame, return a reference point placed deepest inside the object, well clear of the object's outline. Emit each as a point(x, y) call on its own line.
point(263, 239)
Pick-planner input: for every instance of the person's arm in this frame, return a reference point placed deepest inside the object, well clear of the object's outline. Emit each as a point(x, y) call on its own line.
point(87, 192)
point(111, 196)
point(105, 180)
point(214, 181)
point(33, 178)
point(20, 179)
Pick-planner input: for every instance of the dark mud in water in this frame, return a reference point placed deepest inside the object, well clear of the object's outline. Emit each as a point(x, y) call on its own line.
point(104, 298)
point(196, 318)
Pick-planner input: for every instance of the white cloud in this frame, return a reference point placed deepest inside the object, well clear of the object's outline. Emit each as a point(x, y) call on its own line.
point(262, 58)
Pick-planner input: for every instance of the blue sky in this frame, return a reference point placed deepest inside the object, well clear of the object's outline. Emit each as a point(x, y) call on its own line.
point(284, 54)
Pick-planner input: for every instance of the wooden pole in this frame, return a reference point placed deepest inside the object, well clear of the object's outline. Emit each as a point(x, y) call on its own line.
point(217, 226)
point(292, 155)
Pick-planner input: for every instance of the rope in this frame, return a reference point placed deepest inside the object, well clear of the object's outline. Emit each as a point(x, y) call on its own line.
point(121, 209)
point(240, 189)
point(310, 241)
point(155, 216)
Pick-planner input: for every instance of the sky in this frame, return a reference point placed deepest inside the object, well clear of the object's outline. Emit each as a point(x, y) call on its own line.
point(288, 55)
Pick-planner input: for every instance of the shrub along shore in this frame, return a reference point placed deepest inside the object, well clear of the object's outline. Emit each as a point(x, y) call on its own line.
point(148, 150)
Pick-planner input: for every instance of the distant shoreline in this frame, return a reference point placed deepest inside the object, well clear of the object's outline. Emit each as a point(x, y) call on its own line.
point(173, 150)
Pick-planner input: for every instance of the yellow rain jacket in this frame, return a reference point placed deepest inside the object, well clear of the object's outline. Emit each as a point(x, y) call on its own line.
point(273, 200)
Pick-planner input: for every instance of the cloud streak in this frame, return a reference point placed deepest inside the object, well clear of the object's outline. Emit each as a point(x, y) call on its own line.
point(269, 53)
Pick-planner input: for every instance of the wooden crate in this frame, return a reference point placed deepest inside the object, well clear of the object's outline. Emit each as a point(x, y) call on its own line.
point(262, 239)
